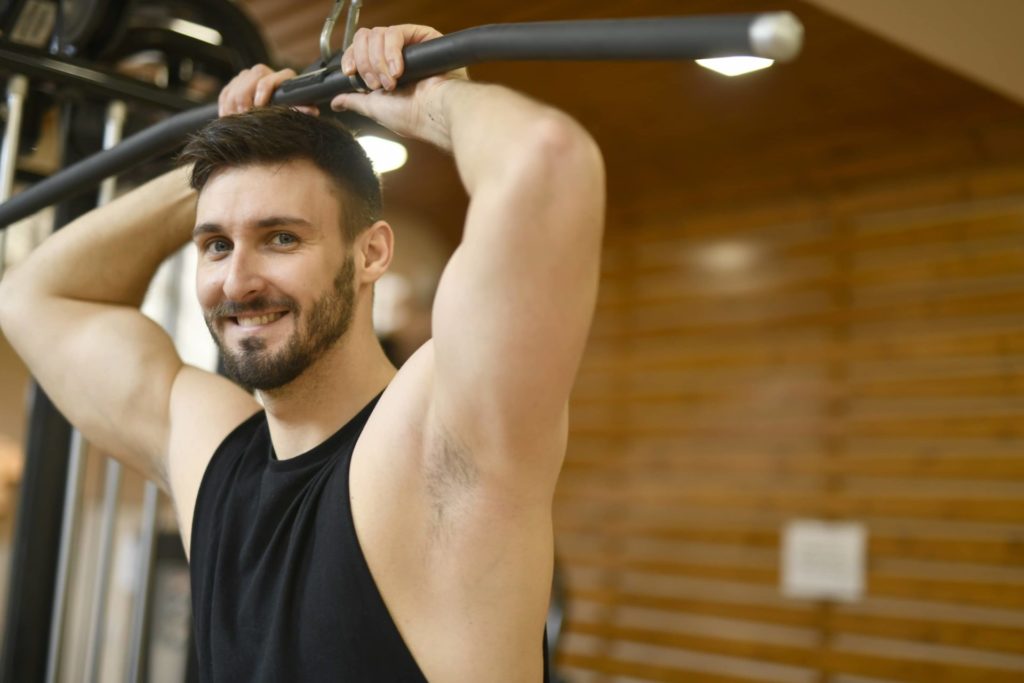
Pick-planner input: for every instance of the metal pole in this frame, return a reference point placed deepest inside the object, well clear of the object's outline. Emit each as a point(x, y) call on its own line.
point(36, 546)
point(98, 614)
point(143, 585)
point(116, 114)
point(17, 88)
point(69, 530)
point(113, 127)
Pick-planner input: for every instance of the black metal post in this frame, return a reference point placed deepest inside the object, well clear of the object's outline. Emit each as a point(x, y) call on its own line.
point(40, 507)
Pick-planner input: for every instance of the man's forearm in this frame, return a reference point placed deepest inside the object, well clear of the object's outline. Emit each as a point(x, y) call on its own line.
point(492, 131)
point(110, 254)
point(69, 311)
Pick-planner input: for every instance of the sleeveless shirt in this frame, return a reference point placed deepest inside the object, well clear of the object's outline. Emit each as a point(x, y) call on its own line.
point(280, 588)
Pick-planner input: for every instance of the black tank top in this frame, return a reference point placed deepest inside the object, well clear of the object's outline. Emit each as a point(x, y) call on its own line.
point(280, 588)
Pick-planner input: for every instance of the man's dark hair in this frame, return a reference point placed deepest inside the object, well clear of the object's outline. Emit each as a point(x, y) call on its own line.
point(276, 135)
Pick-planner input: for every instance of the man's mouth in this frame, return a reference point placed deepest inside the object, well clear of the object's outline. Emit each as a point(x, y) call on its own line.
point(258, 320)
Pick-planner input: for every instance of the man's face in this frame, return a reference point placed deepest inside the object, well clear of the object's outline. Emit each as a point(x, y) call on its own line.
point(274, 279)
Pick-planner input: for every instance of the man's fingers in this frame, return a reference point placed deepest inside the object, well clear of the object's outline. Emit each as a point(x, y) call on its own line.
point(376, 54)
point(340, 103)
point(361, 55)
point(354, 102)
point(267, 86)
point(225, 101)
point(253, 87)
point(348, 62)
point(245, 94)
point(227, 93)
point(394, 41)
point(378, 59)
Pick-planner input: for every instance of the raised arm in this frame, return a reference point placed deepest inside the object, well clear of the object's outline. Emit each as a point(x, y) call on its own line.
point(71, 312)
point(515, 302)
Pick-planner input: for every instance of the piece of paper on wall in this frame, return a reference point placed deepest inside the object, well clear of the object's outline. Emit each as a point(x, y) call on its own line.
point(823, 560)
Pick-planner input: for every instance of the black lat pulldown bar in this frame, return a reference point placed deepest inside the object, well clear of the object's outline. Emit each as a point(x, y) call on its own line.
point(776, 35)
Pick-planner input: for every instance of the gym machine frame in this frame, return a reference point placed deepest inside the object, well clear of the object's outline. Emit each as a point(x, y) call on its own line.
point(775, 36)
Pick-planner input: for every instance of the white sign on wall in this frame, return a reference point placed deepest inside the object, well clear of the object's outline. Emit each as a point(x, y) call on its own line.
point(823, 560)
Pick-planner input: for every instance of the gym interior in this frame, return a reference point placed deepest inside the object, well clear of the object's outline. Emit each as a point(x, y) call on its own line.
point(796, 445)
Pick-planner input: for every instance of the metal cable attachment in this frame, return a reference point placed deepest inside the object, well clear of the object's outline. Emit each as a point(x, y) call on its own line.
point(351, 22)
point(328, 29)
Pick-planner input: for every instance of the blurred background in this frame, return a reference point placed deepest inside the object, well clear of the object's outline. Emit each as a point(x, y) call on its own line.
point(797, 445)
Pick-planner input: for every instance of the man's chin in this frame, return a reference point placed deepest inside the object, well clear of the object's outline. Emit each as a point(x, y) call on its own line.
point(262, 370)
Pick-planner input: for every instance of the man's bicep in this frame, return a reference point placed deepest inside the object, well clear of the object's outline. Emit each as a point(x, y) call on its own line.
point(514, 307)
point(109, 370)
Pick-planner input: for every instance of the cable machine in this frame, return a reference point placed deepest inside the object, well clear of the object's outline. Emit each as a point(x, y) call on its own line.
point(64, 53)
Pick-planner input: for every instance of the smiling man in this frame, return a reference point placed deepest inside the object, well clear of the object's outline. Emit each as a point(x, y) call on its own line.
point(356, 522)
point(267, 339)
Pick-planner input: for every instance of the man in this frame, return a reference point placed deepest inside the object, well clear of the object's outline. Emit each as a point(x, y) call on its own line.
point(366, 524)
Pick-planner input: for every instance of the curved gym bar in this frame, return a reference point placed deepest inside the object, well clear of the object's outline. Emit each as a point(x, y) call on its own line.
point(776, 35)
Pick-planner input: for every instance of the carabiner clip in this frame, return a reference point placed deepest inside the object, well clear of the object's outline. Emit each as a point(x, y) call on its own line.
point(350, 27)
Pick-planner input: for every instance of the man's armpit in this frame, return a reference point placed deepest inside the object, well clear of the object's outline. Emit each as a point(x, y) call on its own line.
point(452, 478)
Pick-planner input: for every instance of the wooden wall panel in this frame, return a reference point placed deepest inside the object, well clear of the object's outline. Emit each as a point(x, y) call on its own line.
point(853, 357)
point(802, 348)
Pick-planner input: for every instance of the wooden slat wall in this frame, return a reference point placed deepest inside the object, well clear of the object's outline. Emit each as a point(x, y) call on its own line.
point(859, 357)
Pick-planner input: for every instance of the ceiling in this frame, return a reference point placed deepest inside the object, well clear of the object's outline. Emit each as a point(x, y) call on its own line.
point(980, 41)
point(855, 108)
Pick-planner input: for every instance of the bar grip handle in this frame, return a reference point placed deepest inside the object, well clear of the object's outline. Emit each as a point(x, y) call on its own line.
point(773, 35)
point(776, 35)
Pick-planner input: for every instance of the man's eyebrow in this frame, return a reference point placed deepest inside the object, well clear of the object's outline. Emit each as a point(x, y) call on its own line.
point(278, 221)
point(268, 222)
point(205, 229)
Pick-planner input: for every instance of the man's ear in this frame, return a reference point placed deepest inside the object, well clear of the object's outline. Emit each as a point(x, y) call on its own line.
point(375, 247)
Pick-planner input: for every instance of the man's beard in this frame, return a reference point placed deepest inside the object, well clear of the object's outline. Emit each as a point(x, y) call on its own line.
point(329, 318)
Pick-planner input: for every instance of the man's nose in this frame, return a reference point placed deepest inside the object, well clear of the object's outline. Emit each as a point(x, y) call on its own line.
point(244, 276)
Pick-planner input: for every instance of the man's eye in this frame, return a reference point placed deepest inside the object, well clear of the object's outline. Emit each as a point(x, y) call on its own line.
point(283, 238)
point(218, 246)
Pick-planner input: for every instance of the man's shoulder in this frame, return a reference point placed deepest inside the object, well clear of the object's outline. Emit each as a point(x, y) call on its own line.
point(205, 409)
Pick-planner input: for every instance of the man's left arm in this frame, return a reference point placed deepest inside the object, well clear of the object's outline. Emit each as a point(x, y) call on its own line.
point(515, 302)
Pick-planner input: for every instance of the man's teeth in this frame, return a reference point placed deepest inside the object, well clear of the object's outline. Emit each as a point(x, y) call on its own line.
point(259, 320)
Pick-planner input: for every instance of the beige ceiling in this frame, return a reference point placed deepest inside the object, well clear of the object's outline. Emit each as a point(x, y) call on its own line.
point(978, 39)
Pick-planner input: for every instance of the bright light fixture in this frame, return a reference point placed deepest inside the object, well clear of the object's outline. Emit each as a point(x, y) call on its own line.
point(385, 155)
point(196, 31)
point(735, 66)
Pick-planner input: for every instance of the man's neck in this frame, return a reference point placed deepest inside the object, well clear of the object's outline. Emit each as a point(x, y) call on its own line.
point(327, 395)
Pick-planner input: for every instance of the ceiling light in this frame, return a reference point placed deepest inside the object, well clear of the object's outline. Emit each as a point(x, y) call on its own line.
point(204, 34)
point(735, 66)
point(385, 155)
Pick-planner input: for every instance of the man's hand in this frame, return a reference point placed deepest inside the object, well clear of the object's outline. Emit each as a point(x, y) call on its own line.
point(253, 88)
point(376, 55)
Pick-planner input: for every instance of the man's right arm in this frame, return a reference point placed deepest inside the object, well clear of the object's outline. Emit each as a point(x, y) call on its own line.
point(71, 312)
